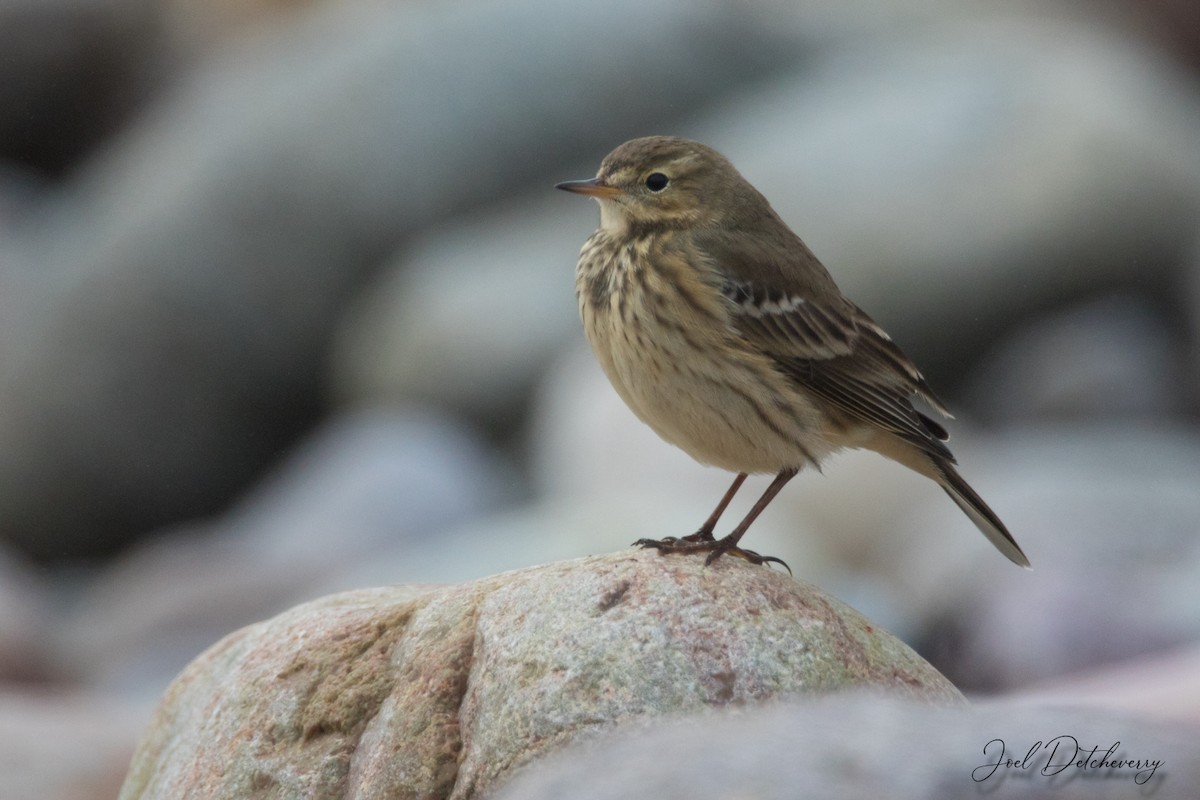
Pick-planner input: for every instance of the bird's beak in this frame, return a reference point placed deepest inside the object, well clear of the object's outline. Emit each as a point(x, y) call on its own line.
point(593, 187)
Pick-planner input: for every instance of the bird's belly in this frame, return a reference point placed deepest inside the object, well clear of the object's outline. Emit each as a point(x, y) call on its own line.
point(722, 410)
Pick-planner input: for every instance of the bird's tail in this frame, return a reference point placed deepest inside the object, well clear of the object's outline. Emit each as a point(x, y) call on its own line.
point(984, 518)
point(941, 469)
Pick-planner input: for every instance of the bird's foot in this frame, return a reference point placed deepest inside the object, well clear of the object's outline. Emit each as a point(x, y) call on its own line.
point(701, 542)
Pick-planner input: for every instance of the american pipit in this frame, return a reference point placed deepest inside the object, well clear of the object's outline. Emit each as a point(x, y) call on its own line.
point(722, 331)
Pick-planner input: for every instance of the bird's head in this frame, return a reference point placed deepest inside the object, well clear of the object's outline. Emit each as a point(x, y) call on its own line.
point(667, 182)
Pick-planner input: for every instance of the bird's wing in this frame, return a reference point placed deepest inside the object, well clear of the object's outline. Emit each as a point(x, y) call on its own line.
point(823, 342)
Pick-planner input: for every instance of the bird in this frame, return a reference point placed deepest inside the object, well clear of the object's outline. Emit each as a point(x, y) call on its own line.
point(724, 333)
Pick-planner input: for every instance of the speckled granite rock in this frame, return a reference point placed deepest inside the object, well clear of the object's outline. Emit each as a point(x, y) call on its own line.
point(443, 692)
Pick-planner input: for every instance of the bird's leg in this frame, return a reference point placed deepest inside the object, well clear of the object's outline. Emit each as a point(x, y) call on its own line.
point(705, 534)
point(728, 544)
point(703, 542)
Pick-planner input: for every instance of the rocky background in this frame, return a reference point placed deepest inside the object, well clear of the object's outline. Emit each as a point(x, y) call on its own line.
point(286, 308)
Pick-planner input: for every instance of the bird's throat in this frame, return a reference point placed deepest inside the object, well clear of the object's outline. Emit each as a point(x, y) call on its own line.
point(612, 218)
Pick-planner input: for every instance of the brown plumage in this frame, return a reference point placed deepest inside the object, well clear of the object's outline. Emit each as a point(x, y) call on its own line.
point(724, 333)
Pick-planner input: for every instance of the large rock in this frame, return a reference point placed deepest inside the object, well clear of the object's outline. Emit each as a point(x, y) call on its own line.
point(863, 747)
point(443, 692)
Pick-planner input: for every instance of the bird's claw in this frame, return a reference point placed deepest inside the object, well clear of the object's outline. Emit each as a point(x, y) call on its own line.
point(715, 549)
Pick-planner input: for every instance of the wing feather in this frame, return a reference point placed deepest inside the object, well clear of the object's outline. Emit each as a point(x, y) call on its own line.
point(821, 340)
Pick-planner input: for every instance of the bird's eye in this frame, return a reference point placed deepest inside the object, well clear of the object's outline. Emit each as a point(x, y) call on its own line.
point(656, 181)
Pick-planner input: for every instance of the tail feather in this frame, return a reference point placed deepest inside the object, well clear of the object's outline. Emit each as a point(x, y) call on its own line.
point(924, 459)
point(984, 518)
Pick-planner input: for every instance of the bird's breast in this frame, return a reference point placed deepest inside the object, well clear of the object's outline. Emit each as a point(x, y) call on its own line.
point(662, 334)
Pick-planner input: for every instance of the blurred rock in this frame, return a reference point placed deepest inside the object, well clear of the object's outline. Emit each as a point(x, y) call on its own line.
point(443, 692)
point(1162, 685)
point(1188, 288)
point(1107, 514)
point(191, 278)
point(564, 527)
point(72, 71)
point(1174, 22)
point(26, 619)
point(1113, 356)
point(856, 747)
point(197, 29)
point(367, 488)
point(958, 177)
point(65, 746)
point(470, 316)
point(20, 189)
